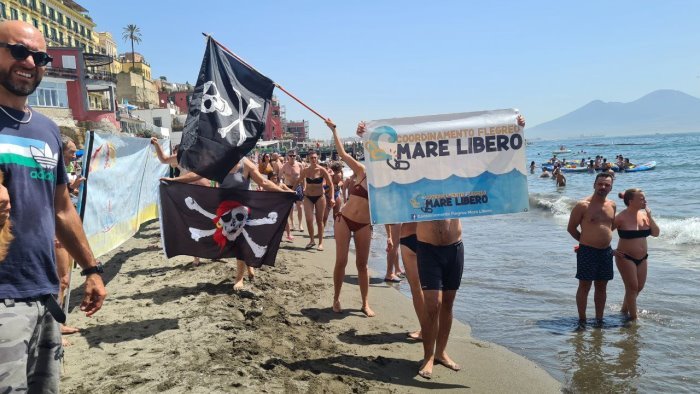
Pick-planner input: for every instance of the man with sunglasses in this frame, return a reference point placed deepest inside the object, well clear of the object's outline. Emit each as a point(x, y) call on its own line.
point(36, 182)
point(291, 172)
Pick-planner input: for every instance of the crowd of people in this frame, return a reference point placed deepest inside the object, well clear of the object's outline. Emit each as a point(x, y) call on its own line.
point(48, 232)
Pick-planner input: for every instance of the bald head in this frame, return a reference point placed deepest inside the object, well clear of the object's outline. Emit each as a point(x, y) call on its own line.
point(19, 32)
point(19, 73)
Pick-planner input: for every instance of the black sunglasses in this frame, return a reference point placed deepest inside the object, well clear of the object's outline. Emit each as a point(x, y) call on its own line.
point(20, 52)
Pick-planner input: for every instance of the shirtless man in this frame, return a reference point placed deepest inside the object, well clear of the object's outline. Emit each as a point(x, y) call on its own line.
point(594, 256)
point(291, 172)
point(440, 263)
point(276, 162)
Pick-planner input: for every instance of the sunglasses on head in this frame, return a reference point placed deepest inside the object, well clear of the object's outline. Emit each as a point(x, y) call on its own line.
point(292, 155)
point(21, 52)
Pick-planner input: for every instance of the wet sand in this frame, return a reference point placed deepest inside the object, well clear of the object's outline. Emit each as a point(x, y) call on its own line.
point(170, 327)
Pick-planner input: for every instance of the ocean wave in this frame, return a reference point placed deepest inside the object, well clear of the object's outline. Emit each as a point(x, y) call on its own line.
point(557, 205)
point(680, 231)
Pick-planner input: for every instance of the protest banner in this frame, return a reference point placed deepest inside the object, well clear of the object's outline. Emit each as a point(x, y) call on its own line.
point(445, 166)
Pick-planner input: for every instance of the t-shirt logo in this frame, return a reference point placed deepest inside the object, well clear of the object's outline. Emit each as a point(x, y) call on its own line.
point(45, 158)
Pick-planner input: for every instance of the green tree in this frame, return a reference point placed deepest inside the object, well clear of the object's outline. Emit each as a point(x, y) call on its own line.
point(132, 33)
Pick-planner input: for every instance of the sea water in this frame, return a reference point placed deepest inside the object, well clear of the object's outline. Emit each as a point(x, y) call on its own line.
point(518, 287)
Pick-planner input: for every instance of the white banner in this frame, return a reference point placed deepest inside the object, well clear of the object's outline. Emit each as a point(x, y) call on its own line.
point(122, 188)
point(445, 166)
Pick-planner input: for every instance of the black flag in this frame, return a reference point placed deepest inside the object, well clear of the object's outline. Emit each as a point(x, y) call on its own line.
point(215, 223)
point(227, 114)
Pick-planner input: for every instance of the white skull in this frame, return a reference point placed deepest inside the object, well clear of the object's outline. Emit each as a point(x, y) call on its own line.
point(233, 220)
point(212, 100)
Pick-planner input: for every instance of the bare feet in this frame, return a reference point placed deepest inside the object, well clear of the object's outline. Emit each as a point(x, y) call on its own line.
point(65, 342)
point(368, 311)
point(238, 285)
point(195, 262)
point(67, 330)
point(416, 336)
point(336, 307)
point(320, 247)
point(447, 362)
point(426, 370)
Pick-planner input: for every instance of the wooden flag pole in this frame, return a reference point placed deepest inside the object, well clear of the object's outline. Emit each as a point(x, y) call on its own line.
point(276, 84)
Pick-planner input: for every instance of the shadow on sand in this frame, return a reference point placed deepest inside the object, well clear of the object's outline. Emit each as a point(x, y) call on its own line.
point(127, 331)
point(380, 369)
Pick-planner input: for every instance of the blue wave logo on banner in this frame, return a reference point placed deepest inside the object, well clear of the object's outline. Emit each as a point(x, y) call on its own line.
point(386, 133)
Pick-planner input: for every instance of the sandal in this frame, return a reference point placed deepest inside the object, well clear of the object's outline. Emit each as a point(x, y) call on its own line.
point(310, 245)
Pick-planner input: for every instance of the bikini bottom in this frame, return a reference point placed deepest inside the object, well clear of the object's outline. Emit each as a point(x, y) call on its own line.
point(313, 199)
point(352, 225)
point(636, 261)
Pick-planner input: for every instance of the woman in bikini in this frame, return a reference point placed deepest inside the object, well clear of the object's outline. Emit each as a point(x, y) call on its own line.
point(408, 243)
point(312, 178)
point(634, 224)
point(352, 221)
point(265, 166)
point(337, 178)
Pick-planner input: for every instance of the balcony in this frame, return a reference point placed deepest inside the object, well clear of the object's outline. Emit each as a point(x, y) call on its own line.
point(101, 76)
point(58, 72)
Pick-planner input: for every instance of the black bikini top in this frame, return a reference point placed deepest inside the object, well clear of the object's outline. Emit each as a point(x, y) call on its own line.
point(316, 181)
point(631, 234)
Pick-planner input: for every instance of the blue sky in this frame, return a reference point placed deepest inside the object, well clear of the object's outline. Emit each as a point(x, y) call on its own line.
point(366, 60)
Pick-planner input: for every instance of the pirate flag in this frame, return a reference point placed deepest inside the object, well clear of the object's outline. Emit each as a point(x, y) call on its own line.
point(216, 223)
point(227, 114)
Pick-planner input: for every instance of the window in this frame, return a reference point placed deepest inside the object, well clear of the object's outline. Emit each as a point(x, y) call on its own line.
point(24, 16)
point(43, 9)
point(60, 37)
point(89, 34)
point(35, 22)
point(158, 121)
point(52, 14)
point(3, 13)
point(70, 41)
point(53, 33)
point(60, 18)
point(68, 22)
point(50, 94)
point(23, 2)
point(14, 14)
point(46, 29)
point(82, 30)
point(32, 4)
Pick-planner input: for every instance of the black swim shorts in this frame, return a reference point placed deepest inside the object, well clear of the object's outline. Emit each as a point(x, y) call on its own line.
point(593, 263)
point(440, 267)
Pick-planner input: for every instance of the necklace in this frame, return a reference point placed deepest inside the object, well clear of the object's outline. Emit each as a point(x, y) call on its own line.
point(15, 119)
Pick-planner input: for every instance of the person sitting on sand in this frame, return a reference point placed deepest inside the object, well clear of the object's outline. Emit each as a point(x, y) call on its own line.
point(353, 218)
point(634, 224)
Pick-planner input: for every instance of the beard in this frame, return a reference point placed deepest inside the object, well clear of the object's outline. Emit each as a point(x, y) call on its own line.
point(18, 89)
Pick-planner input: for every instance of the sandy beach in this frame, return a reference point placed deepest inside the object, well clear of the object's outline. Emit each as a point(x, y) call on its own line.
point(170, 327)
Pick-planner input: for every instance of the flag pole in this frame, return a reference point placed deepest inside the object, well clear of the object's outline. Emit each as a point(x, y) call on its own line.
point(276, 84)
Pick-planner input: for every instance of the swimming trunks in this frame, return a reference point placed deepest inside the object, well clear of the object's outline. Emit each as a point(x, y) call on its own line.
point(440, 267)
point(593, 263)
point(313, 199)
point(299, 191)
point(636, 261)
point(631, 234)
point(409, 242)
point(353, 226)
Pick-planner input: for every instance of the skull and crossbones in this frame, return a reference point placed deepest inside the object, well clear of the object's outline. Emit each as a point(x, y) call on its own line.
point(213, 102)
point(230, 221)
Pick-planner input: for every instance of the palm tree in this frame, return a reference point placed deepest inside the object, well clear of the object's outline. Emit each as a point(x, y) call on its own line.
point(133, 33)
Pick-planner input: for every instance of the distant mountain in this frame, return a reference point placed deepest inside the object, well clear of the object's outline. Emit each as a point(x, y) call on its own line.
point(662, 111)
